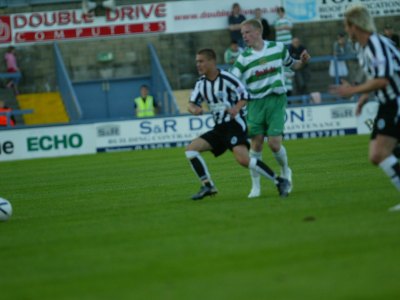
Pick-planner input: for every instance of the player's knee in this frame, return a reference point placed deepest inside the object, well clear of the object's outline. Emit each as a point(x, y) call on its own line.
point(191, 147)
point(243, 161)
point(257, 143)
point(274, 146)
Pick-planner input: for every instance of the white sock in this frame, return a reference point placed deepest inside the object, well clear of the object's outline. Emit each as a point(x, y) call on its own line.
point(199, 166)
point(281, 158)
point(254, 175)
point(390, 166)
point(267, 173)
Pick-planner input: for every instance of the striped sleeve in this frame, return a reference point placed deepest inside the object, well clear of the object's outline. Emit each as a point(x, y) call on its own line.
point(237, 68)
point(195, 96)
point(381, 59)
point(288, 61)
point(379, 63)
point(236, 85)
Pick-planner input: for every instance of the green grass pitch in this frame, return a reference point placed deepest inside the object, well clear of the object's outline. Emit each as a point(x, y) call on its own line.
point(121, 226)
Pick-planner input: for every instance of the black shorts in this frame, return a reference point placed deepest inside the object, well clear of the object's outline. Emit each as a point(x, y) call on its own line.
point(387, 121)
point(226, 136)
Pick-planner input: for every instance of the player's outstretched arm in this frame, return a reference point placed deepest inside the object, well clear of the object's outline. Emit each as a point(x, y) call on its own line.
point(346, 90)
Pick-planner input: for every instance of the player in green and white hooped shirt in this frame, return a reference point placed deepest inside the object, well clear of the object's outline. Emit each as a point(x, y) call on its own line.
point(283, 27)
point(261, 68)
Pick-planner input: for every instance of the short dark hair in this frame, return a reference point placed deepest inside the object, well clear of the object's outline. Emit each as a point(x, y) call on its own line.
point(209, 53)
point(281, 9)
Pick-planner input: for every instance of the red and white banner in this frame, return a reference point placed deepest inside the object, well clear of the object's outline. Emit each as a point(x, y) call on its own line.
point(74, 24)
point(170, 17)
point(5, 30)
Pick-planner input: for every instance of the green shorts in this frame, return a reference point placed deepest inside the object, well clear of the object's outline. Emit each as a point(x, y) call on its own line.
point(267, 116)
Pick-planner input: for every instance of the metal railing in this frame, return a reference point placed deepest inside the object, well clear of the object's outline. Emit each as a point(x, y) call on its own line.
point(161, 84)
point(14, 75)
point(66, 89)
point(324, 96)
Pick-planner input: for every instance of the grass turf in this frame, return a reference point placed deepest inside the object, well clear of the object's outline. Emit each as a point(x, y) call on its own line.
point(121, 226)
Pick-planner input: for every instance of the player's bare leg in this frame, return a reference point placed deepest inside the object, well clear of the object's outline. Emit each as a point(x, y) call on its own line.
point(256, 152)
point(199, 166)
point(242, 156)
point(381, 154)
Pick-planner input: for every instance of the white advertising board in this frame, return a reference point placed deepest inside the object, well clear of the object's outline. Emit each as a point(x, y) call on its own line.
point(47, 142)
point(191, 16)
point(150, 133)
point(301, 122)
point(153, 133)
point(328, 10)
point(320, 121)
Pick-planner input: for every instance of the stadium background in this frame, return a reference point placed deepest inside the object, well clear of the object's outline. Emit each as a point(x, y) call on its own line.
point(120, 225)
point(175, 51)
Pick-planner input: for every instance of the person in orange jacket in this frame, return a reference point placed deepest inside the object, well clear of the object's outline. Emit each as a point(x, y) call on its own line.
point(3, 118)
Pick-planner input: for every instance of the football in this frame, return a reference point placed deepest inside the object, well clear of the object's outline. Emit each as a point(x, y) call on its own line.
point(5, 209)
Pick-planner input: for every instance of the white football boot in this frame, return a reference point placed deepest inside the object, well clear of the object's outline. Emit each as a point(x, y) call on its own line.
point(287, 173)
point(255, 187)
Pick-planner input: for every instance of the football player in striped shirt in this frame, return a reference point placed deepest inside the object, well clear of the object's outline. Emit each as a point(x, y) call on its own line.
point(261, 68)
point(380, 60)
point(226, 98)
point(283, 27)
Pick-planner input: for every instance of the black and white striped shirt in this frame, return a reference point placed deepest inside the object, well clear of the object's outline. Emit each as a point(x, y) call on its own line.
point(381, 59)
point(222, 93)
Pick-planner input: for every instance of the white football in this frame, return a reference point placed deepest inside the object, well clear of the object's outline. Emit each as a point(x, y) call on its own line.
point(5, 209)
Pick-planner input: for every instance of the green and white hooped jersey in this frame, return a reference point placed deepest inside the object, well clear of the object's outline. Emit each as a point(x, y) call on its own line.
point(263, 71)
point(283, 36)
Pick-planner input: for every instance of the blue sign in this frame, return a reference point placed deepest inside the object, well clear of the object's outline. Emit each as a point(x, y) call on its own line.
point(301, 10)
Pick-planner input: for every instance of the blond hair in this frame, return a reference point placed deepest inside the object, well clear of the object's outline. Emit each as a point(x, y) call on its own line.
point(253, 22)
point(359, 16)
